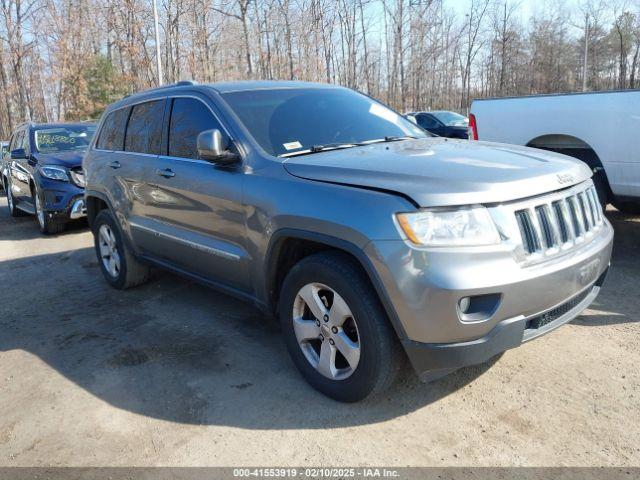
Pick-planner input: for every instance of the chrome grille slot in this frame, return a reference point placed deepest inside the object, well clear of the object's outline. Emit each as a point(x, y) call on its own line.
point(529, 237)
point(576, 218)
point(561, 220)
point(584, 209)
point(545, 224)
point(558, 222)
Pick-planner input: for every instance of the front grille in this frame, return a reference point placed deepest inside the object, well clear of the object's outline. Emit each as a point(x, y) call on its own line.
point(547, 227)
point(552, 315)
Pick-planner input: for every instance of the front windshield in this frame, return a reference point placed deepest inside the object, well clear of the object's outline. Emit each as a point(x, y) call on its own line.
point(64, 138)
point(451, 119)
point(286, 121)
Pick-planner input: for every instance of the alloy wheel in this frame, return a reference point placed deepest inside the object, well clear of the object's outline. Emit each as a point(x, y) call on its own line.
point(326, 331)
point(109, 250)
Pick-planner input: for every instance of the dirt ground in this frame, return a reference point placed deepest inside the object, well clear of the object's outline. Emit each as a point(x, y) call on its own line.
point(173, 373)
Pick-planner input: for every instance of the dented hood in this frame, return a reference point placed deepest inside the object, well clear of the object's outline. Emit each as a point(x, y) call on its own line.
point(442, 172)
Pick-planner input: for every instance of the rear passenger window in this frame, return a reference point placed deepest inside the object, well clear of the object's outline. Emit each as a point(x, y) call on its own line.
point(112, 131)
point(144, 131)
point(189, 117)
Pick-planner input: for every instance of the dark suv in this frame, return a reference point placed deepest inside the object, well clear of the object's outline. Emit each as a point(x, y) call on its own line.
point(43, 172)
point(366, 235)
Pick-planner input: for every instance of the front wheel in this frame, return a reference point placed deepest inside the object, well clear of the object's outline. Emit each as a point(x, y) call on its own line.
point(336, 330)
point(47, 225)
point(14, 211)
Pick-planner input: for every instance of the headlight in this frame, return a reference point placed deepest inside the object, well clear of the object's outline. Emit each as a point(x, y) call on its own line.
point(55, 173)
point(78, 177)
point(464, 226)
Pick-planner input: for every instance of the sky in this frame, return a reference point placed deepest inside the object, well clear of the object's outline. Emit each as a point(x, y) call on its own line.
point(527, 7)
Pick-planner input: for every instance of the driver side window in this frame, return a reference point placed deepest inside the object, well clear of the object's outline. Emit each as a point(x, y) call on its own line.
point(189, 118)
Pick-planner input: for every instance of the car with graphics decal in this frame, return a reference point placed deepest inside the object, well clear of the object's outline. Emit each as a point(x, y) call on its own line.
point(43, 173)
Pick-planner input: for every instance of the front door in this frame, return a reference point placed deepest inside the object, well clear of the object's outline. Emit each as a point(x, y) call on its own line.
point(21, 168)
point(194, 217)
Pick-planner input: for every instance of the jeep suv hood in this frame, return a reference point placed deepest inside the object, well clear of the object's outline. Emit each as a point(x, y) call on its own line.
point(443, 172)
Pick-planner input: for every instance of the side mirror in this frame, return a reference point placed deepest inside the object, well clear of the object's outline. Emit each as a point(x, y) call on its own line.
point(18, 154)
point(212, 147)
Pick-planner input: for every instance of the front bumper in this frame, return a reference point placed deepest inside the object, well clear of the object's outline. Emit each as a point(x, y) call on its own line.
point(62, 200)
point(433, 360)
point(425, 289)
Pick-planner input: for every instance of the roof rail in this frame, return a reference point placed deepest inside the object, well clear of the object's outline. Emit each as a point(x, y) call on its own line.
point(181, 83)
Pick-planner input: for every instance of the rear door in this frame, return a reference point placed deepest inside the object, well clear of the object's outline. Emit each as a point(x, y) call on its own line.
point(142, 144)
point(128, 143)
point(194, 217)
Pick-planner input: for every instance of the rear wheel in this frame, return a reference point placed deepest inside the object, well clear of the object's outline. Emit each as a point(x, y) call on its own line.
point(336, 330)
point(47, 225)
point(118, 264)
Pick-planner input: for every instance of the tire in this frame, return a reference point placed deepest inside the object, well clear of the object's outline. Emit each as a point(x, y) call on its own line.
point(379, 356)
point(14, 211)
point(601, 184)
point(631, 208)
point(591, 160)
point(46, 224)
point(108, 240)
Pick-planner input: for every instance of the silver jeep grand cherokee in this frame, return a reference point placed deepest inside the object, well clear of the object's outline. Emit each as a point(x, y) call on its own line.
point(368, 237)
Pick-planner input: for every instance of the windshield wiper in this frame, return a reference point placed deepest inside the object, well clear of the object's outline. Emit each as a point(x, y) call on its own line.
point(332, 146)
point(337, 146)
point(321, 148)
point(397, 139)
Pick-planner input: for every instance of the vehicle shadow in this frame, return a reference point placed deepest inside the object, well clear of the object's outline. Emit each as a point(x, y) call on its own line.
point(177, 351)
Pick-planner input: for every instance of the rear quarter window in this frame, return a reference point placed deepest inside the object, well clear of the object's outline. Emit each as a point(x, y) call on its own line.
point(112, 131)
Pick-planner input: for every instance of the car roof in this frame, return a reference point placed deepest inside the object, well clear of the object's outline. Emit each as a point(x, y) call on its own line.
point(33, 125)
point(220, 87)
point(438, 111)
point(244, 85)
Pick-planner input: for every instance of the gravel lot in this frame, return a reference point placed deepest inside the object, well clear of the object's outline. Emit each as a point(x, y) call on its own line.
point(173, 373)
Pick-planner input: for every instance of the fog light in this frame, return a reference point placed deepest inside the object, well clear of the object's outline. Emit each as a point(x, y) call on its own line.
point(463, 304)
point(478, 308)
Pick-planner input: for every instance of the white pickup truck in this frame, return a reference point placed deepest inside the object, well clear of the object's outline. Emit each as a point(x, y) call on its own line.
point(601, 128)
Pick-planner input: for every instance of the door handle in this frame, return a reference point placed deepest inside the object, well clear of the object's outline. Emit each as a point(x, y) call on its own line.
point(166, 173)
point(114, 164)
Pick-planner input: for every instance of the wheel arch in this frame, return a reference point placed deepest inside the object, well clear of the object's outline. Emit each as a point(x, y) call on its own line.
point(288, 246)
point(95, 203)
point(557, 142)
